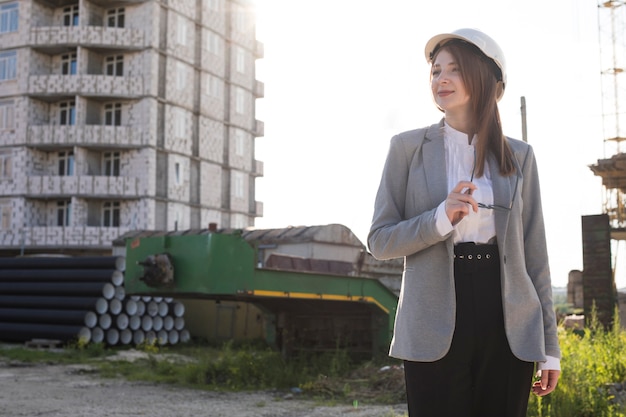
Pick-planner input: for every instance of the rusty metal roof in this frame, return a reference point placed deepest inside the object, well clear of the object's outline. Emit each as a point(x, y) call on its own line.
point(330, 233)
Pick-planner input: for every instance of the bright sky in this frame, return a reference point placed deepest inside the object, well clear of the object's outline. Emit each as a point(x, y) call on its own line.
point(343, 76)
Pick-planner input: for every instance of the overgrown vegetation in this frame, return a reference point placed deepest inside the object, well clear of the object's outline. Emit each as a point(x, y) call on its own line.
point(592, 359)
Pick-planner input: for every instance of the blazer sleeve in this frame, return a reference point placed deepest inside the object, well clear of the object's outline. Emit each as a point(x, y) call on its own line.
point(535, 250)
point(395, 233)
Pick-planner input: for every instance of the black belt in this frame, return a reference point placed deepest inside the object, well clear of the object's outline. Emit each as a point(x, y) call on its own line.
point(472, 252)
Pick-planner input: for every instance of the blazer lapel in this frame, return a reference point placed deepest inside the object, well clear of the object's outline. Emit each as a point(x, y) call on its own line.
point(437, 176)
point(435, 164)
point(502, 196)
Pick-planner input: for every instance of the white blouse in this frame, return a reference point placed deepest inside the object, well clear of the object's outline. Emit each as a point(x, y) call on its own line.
point(478, 227)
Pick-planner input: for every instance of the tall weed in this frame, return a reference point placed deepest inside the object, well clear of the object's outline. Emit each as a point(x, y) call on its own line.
point(591, 359)
point(261, 368)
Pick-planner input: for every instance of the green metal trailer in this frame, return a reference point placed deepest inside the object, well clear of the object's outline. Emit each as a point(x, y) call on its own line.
point(309, 311)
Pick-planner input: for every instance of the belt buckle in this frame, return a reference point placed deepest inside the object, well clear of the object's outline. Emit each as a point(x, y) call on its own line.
point(471, 257)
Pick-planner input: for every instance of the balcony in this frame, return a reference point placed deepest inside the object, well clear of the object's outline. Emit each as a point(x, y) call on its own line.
point(86, 85)
point(79, 186)
point(87, 36)
point(44, 237)
point(257, 168)
point(259, 128)
point(258, 207)
point(259, 89)
point(259, 50)
point(94, 136)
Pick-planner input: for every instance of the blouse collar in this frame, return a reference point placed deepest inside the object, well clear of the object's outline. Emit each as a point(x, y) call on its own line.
point(455, 136)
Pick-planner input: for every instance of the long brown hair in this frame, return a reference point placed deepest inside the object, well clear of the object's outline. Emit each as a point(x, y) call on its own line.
point(482, 79)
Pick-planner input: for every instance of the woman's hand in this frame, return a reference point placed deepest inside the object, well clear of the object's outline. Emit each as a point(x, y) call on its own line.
point(459, 201)
point(547, 383)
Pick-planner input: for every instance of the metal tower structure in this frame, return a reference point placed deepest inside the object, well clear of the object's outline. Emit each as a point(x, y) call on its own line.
point(603, 233)
point(612, 169)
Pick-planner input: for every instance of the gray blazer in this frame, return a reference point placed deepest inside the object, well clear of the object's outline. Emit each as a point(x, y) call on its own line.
point(413, 184)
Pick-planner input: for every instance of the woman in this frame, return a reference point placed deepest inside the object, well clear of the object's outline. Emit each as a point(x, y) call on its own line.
point(461, 204)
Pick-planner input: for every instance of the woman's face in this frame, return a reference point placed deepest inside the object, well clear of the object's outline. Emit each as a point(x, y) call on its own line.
point(447, 86)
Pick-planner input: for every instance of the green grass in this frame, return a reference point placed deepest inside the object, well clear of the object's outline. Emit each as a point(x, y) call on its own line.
point(70, 354)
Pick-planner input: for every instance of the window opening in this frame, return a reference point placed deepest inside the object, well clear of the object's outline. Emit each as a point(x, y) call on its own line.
point(241, 60)
point(115, 65)
point(5, 216)
point(68, 64)
point(6, 164)
point(70, 16)
point(111, 162)
point(9, 17)
point(177, 173)
point(8, 64)
point(113, 114)
point(116, 18)
point(66, 163)
point(240, 100)
point(111, 214)
point(7, 115)
point(64, 212)
point(67, 113)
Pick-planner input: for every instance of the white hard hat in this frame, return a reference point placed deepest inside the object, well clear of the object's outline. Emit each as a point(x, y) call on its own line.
point(487, 45)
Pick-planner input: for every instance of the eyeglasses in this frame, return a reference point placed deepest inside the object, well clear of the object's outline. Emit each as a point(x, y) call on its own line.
point(494, 206)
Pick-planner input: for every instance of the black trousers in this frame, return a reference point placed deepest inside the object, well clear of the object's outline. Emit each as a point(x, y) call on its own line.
point(479, 376)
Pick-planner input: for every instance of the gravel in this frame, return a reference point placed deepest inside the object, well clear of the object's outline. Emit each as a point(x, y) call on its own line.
point(78, 391)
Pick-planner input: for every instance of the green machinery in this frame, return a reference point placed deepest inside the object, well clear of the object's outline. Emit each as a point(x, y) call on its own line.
point(306, 310)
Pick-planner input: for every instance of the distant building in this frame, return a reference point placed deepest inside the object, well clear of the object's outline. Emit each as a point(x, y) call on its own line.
point(125, 115)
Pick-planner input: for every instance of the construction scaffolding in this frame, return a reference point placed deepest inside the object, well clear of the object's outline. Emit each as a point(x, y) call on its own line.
point(603, 233)
point(612, 169)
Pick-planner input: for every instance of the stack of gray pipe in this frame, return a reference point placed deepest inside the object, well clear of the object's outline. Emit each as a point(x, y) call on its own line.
point(69, 298)
point(147, 320)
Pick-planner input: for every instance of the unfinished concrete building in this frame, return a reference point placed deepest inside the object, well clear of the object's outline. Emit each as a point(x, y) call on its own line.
point(125, 115)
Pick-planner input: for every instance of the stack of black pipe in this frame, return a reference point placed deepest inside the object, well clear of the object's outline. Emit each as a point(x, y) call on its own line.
point(74, 298)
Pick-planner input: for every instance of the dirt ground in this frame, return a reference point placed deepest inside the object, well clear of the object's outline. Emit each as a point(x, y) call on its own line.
point(77, 391)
